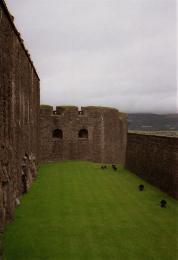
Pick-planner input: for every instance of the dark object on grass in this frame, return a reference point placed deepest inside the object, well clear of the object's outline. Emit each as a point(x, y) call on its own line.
point(141, 187)
point(103, 167)
point(163, 203)
point(114, 167)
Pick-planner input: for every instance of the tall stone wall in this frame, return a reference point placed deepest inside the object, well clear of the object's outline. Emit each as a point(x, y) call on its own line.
point(106, 140)
point(155, 159)
point(19, 116)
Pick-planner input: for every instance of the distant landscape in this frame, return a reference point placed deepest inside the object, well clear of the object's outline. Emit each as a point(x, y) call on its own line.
point(153, 122)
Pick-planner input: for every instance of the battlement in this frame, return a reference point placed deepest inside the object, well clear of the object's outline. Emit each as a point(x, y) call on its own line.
point(47, 110)
point(90, 133)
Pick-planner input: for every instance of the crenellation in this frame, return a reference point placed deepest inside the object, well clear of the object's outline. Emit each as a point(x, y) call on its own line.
point(46, 110)
point(104, 140)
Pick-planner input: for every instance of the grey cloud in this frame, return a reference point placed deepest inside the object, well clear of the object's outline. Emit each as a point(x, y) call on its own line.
point(107, 52)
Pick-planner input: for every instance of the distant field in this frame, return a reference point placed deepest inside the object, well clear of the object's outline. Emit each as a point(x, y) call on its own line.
point(153, 122)
point(77, 211)
point(161, 133)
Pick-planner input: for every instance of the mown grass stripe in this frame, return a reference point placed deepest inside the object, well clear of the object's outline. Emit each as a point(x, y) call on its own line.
point(75, 210)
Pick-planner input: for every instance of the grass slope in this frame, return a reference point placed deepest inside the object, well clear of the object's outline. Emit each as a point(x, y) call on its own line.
point(75, 210)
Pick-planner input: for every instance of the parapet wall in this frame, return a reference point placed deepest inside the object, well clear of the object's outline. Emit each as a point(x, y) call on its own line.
point(105, 140)
point(155, 159)
point(19, 116)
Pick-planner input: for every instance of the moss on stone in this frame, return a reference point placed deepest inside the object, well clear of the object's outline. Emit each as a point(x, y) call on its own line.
point(45, 106)
point(66, 106)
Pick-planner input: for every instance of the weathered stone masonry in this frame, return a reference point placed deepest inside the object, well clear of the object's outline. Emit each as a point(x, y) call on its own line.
point(94, 133)
point(155, 159)
point(19, 115)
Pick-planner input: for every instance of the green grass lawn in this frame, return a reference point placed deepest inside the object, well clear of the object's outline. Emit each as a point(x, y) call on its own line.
point(75, 210)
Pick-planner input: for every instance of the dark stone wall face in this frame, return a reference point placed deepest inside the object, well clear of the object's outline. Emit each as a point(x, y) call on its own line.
point(107, 133)
point(19, 115)
point(155, 159)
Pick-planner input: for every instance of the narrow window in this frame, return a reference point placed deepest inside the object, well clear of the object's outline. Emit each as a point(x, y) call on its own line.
point(57, 133)
point(83, 133)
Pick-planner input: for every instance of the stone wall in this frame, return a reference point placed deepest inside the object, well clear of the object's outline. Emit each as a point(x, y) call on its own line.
point(155, 159)
point(106, 127)
point(19, 116)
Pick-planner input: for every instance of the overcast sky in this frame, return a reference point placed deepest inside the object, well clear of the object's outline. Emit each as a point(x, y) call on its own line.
point(119, 53)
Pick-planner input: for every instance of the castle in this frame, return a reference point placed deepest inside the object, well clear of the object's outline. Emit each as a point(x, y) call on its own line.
point(30, 134)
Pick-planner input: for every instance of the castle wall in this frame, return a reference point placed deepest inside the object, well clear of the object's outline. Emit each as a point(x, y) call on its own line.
point(107, 132)
point(19, 115)
point(155, 159)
